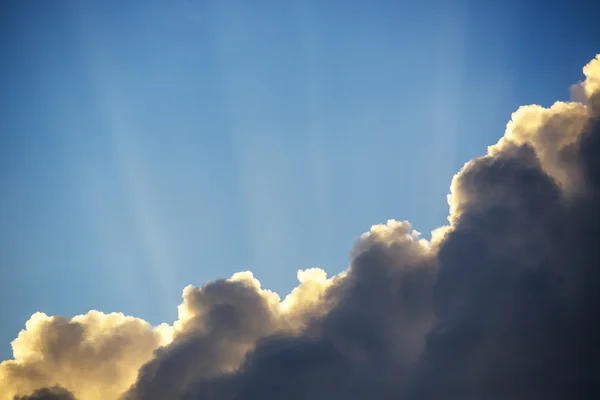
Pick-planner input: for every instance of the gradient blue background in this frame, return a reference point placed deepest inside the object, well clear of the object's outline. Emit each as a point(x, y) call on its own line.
point(148, 145)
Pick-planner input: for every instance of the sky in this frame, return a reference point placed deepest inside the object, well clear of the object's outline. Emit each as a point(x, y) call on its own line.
point(149, 145)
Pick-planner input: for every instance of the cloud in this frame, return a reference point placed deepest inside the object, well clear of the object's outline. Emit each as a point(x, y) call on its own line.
point(52, 393)
point(515, 304)
point(236, 338)
point(87, 354)
point(501, 303)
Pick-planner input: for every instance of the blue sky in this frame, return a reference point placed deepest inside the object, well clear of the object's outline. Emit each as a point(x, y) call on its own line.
point(145, 146)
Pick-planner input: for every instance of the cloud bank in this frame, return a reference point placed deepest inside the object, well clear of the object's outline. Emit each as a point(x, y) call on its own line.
point(500, 304)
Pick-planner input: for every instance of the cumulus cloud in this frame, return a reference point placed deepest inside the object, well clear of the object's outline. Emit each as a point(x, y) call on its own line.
point(94, 355)
point(515, 304)
point(501, 303)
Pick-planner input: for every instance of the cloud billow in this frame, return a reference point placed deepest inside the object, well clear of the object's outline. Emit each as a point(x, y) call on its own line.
point(501, 303)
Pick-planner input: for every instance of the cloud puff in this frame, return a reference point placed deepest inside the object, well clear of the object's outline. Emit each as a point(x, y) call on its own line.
point(94, 355)
point(501, 303)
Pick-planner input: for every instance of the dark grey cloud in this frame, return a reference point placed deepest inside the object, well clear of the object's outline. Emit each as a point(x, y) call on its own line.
point(516, 296)
point(505, 309)
point(225, 319)
point(379, 313)
point(48, 393)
